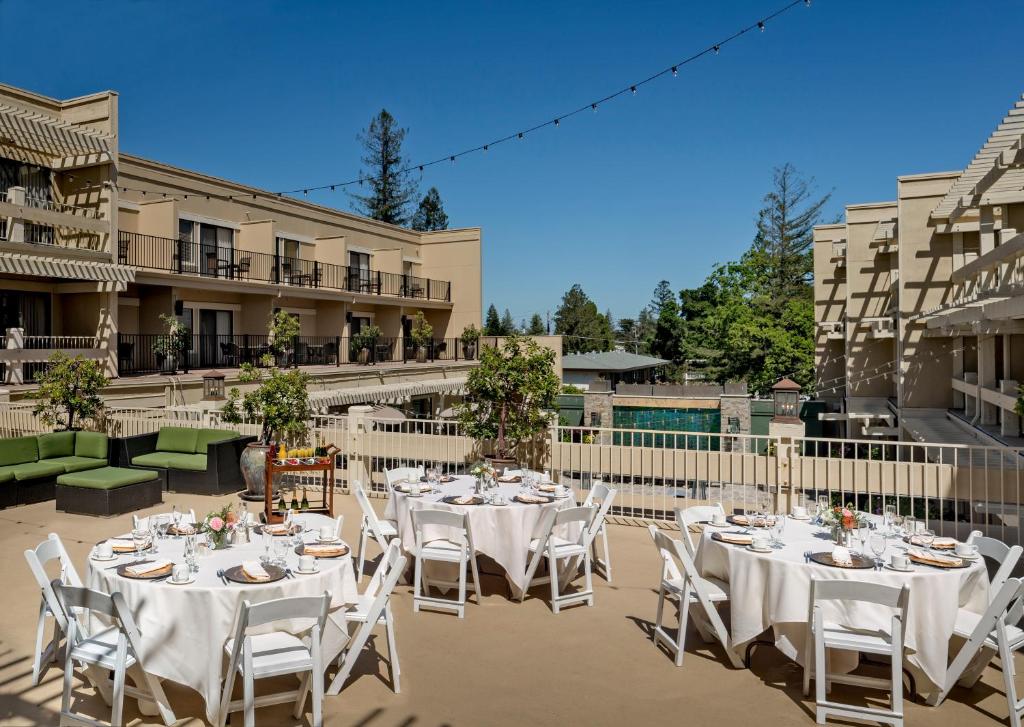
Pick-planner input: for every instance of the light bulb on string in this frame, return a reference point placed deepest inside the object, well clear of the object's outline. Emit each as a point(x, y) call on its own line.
point(593, 107)
point(556, 122)
point(675, 71)
point(633, 89)
point(760, 25)
point(485, 148)
point(716, 50)
point(520, 135)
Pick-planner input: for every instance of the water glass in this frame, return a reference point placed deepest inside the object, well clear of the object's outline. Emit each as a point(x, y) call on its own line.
point(926, 537)
point(280, 550)
point(190, 553)
point(889, 516)
point(822, 504)
point(154, 533)
point(863, 533)
point(878, 545)
point(139, 538)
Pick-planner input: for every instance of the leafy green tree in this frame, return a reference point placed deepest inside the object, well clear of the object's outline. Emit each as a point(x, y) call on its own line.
point(492, 323)
point(69, 391)
point(583, 328)
point(509, 395)
point(536, 326)
point(391, 187)
point(280, 403)
point(430, 214)
point(508, 326)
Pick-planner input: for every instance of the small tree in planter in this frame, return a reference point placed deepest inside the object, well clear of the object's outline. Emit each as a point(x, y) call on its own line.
point(284, 329)
point(509, 395)
point(422, 335)
point(69, 391)
point(470, 337)
point(364, 341)
point(171, 347)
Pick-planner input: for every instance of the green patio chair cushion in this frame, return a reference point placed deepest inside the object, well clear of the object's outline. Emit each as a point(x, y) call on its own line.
point(57, 444)
point(37, 470)
point(177, 439)
point(212, 436)
point(195, 462)
point(18, 450)
point(91, 444)
point(7, 473)
point(106, 478)
point(154, 459)
point(75, 463)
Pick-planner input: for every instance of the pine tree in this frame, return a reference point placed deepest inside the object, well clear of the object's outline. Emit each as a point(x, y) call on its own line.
point(391, 188)
point(430, 215)
point(492, 324)
point(579, 322)
point(508, 326)
point(536, 326)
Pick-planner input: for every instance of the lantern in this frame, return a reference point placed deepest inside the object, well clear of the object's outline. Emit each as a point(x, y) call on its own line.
point(213, 386)
point(787, 400)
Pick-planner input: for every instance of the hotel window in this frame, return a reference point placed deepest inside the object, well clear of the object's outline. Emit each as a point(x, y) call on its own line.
point(289, 249)
point(214, 251)
point(359, 271)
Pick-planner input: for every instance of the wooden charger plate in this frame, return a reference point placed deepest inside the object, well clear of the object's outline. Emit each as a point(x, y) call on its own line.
point(934, 564)
point(301, 550)
point(451, 500)
point(858, 561)
point(236, 574)
point(122, 570)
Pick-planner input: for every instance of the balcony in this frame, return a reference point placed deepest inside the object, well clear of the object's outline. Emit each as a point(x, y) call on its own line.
point(834, 330)
point(839, 253)
point(28, 219)
point(167, 255)
point(23, 357)
point(880, 327)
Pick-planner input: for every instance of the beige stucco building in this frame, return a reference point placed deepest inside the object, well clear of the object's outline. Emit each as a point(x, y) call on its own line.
point(919, 303)
point(96, 244)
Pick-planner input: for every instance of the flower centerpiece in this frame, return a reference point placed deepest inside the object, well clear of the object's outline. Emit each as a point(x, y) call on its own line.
point(843, 520)
point(218, 525)
point(484, 472)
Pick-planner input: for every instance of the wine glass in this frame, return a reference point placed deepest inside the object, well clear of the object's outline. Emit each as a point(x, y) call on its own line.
point(268, 541)
point(863, 533)
point(927, 537)
point(190, 553)
point(139, 537)
point(822, 507)
point(878, 545)
point(154, 532)
point(889, 517)
point(779, 527)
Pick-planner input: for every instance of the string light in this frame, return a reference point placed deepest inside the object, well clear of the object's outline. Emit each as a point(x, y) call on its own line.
point(632, 89)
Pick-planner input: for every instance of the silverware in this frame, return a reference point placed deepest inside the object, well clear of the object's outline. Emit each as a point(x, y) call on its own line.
point(807, 556)
point(288, 573)
point(220, 574)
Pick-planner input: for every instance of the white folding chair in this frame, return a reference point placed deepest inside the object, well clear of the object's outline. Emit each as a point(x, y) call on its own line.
point(372, 527)
point(374, 609)
point(114, 648)
point(402, 474)
point(600, 493)
point(687, 516)
point(51, 549)
point(822, 635)
point(456, 546)
point(681, 583)
point(994, 631)
point(271, 654)
point(555, 549)
point(999, 552)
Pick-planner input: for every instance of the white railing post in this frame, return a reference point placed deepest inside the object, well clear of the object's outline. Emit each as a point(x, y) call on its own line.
point(357, 449)
point(15, 367)
point(15, 225)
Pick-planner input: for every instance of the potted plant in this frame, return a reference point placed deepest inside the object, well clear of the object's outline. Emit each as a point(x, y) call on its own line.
point(470, 337)
point(169, 348)
point(284, 329)
point(364, 341)
point(69, 391)
point(281, 404)
point(422, 335)
point(509, 396)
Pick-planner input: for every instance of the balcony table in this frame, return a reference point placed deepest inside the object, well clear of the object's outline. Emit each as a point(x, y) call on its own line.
point(184, 627)
point(501, 532)
point(773, 590)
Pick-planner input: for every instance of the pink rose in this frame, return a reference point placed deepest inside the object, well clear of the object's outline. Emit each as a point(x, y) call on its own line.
point(216, 524)
point(847, 513)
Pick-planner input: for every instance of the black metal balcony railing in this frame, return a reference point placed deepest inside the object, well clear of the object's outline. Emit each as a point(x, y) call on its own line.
point(189, 258)
point(135, 352)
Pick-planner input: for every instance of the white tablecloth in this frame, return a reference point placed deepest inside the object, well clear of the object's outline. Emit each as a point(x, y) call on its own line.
point(772, 590)
point(184, 627)
point(502, 532)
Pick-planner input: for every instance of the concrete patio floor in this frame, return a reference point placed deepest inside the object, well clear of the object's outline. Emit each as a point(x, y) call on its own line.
point(505, 664)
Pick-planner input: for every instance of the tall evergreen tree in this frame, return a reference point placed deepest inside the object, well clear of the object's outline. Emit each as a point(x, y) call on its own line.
point(391, 188)
point(508, 326)
point(536, 326)
point(667, 342)
point(581, 324)
point(430, 214)
point(492, 324)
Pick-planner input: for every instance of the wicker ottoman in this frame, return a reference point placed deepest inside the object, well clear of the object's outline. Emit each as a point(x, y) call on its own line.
point(108, 491)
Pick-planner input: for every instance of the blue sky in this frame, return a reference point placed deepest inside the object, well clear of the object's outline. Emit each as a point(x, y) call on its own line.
point(659, 185)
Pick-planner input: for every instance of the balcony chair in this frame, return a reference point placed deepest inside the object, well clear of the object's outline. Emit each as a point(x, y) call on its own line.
point(680, 582)
point(229, 353)
point(600, 496)
point(373, 608)
point(51, 549)
point(300, 355)
point(114, 648)
point(822, 635)
point(686, 517)
point(125, 356)
point(454, 545)
point(243, 267)
point(372, 527)
point(331, 352)
point(556, 549)
point(275, 653)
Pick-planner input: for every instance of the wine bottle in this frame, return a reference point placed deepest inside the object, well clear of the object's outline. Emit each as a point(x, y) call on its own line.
point(305, 502)
point(295, 501)
point(282, 505)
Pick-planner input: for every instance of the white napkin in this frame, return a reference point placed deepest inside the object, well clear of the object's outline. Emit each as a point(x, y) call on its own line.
point(124, 543)
point(254, 570)
point(464, 500)
point(934, 557)
point(276, 528)
point(321, 549)
point(841, 556)
point(144, 568)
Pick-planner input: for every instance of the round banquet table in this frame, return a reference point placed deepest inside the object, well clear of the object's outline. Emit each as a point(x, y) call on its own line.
point(502, 532)
point(773, 590)
point(184, 627)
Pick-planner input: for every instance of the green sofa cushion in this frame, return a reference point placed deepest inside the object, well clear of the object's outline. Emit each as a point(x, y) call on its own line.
point(177, 439)
point(7, 473)
point(75, 463)
point(58, 444)
point(18, 450)
point(91, 444)
point(212, 436)
point(154, 459)
point(37, 470)
point(106, 478)
point(195, 462)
